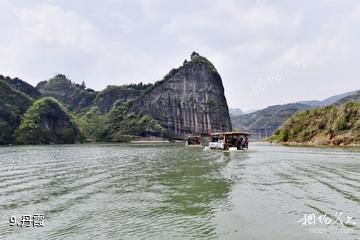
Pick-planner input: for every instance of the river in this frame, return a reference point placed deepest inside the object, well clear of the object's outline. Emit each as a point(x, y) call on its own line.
point(169, 191)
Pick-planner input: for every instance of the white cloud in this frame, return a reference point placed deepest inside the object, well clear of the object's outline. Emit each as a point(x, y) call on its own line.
point(54, 25)
point(355, 14)
point(116, 42)
point(50, 40)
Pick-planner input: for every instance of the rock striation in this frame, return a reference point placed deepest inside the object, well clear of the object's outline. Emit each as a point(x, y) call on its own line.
point(189, 100)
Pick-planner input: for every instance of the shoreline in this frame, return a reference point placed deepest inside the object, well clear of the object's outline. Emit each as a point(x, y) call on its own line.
point(308, 144)
point(155, 141)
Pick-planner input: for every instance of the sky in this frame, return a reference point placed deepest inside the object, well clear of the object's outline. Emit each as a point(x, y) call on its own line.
point(267, 52)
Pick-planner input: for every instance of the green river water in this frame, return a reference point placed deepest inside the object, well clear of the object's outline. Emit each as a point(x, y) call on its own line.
point(169, 191)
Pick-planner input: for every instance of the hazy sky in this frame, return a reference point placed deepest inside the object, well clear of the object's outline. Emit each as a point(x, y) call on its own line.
point(267, 52)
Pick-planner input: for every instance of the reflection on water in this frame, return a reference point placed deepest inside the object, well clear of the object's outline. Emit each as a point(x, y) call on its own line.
point(169, 191)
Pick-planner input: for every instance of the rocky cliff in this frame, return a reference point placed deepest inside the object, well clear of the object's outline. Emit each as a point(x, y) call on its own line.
point(189, 100)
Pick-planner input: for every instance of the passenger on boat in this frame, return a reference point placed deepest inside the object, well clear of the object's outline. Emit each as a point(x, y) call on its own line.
point(246, 142)
point(240, 144)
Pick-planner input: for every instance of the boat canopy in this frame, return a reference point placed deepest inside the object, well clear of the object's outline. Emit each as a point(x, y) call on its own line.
point(230, 133)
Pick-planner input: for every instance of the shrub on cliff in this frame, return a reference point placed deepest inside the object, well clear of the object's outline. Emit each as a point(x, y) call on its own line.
point(123, 126)
point(92, 125)
point(105, 99)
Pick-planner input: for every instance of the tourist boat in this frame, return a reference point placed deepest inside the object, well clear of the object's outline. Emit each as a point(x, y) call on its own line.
point(193, 141)
point(229, 141)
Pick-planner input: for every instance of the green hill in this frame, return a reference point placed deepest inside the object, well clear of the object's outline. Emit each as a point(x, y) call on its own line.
point(75, 97)
point(330, 125)
point(47, 122)
point(13, 104)
point(22, 86)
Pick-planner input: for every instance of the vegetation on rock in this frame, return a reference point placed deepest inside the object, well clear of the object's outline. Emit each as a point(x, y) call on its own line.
point(73, 96)
point(92, 125)
point(12, 105)
point(330, 125)
point(22, 86)
point(105, 99)
point(47, 122)
point(123, 125)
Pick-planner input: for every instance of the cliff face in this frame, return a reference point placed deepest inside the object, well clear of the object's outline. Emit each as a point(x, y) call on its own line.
point(189, 100)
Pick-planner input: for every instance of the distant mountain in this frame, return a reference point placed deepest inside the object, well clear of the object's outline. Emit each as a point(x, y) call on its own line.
point(235, 111)
point(313, 103)
point(264, 122)
point(250, 111)
point(336, 98)
point(327, 101)
point(353, 97)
